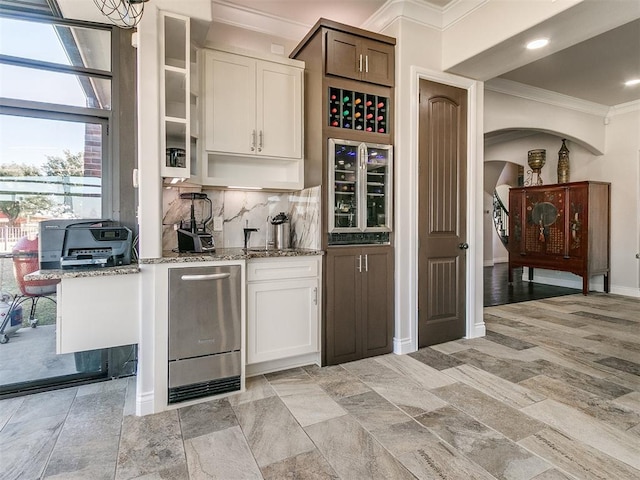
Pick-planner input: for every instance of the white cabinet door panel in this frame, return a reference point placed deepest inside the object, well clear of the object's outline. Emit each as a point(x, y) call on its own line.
point(97, 312)
point(282, 319)
point(230, 103)
point(279, 110)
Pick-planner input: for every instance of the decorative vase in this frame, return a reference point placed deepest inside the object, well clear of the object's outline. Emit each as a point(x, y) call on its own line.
point(536, 160)
point(563, 163)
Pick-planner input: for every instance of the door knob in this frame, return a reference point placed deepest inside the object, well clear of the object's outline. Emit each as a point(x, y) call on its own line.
point(463, 246)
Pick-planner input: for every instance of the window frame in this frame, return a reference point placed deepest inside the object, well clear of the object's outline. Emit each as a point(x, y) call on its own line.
point(114, 196)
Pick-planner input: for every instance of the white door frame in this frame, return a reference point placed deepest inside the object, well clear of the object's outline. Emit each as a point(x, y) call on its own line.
point(407, 234)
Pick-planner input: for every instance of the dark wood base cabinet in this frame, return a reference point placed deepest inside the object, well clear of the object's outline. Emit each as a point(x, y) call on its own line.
point(359, 303)
point(562, 227)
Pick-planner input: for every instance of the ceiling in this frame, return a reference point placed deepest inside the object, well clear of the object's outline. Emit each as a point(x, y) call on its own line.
point(593, 70)
point(590, 69)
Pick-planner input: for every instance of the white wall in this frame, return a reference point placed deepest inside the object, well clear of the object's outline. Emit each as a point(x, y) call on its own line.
point(619, 165)
point(418, 55)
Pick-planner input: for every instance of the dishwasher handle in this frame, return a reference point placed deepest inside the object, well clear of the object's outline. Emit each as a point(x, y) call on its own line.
point(210, 276)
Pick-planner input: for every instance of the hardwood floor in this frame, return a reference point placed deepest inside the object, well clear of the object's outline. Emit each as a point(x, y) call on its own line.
point(552, 392)
point(498, 291)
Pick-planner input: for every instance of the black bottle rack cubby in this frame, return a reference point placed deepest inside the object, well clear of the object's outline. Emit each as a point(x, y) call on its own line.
point(358, 111)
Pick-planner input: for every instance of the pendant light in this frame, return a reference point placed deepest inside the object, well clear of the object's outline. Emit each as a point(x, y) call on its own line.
point(123, 13)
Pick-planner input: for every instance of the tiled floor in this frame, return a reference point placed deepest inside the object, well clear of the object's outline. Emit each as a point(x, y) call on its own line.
point(552, 392)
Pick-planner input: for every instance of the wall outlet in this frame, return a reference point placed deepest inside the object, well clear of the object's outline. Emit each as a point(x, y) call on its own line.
point(217, 224)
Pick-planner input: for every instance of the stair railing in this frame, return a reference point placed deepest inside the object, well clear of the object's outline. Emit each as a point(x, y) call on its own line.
point(500, 218)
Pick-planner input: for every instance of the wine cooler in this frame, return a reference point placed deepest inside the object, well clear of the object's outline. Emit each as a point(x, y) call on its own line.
point(360, 192)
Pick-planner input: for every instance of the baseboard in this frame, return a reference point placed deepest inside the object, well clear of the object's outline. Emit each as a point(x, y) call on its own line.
point(626, 291)
point(282, 364)
point(477, 330)
point(501, 260)
point(488, 263)
point(144, 404)
point(403, 346)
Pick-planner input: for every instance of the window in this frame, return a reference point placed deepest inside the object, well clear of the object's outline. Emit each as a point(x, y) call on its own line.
point(65, 145)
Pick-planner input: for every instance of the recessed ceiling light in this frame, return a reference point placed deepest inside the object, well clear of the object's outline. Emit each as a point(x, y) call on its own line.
point(539, 43)
point(633, 81)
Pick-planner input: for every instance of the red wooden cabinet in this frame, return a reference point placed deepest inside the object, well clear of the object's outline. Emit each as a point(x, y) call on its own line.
point(562, 227)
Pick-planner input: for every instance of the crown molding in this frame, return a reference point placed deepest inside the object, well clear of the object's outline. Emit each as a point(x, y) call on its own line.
point(623, 108)
point(257, 21)
point(415, 10)
point(528, 92)
point(458, 9)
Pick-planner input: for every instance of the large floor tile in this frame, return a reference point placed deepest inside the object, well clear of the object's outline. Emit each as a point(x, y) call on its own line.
point(205, 418)
point(422, 374)
point(150, 444)
point(372, 410)
point(510, 370)
point(306, 466)
point(599, 435)
point(600, 408)
point(337, 381)
point(221, 455)
point(353, 453)
point(271, 430)
point(436, 359)
point(495, 453)
point(509, 421)
point(256, 388)
point(511, 394)
point(312, 406)
point(425, 455)
point(28, 445)
point(577, 458)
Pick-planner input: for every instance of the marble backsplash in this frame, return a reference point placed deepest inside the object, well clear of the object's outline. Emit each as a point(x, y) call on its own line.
point(245, 208)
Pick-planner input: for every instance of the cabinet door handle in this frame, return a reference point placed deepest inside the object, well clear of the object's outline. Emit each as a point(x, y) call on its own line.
point(253, 141)
point(366, 263)
point(261, 141)
point(315, 296)
point(360, 263)
point(360, 66)
point(463, 246)
point(366, 64)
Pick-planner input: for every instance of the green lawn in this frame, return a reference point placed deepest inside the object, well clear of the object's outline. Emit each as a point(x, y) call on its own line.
point(46, 310)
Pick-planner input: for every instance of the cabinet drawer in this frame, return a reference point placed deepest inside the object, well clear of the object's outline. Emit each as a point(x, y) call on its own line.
point(282, 268)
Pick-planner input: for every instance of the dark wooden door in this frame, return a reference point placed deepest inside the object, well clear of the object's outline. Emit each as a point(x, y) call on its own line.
point(377, 298)
point(442, 215)
point(343, 326)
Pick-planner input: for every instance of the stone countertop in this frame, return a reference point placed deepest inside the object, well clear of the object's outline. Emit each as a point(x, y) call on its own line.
point(58, 274)
point(172, 257)
point(230, 254)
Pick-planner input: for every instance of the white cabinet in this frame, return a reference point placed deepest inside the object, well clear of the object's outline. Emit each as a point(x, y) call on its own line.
point(253, 123)
point(283, 308)
point(178, 98)
point(97, 312)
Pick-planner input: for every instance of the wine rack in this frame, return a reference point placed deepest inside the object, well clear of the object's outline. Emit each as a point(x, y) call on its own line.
point(358, 111)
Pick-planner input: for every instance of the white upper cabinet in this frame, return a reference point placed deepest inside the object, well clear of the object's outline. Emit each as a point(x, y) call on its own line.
point(279, 110)
point(253, 107)
point(230, 103)
point(174, 88)
point(253, 121)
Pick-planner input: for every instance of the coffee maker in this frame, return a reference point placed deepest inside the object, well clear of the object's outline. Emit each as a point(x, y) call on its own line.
point(192, 235)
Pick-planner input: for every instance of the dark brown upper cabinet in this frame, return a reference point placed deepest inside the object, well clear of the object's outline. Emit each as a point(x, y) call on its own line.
point(359, 58)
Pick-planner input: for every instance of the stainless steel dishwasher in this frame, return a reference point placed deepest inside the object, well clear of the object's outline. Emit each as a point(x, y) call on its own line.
point(204, 331)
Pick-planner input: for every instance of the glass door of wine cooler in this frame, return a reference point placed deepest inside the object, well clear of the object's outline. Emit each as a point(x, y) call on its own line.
point(344, 185)
point(359, 187)
point(377, 190)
